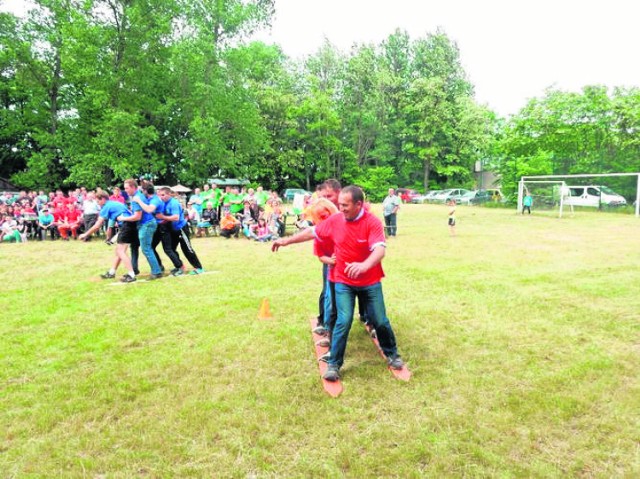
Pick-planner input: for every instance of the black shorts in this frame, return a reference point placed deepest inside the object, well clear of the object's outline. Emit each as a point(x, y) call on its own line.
point(452, 221)
point(128, 233)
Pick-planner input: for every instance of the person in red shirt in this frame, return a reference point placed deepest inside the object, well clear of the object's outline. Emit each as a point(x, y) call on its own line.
point(70, 222)
point(359, 247)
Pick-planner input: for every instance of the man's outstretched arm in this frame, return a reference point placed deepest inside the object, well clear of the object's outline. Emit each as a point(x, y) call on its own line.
point(301, 237)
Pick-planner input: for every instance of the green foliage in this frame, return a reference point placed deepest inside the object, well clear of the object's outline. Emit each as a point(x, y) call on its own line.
point(375, 181)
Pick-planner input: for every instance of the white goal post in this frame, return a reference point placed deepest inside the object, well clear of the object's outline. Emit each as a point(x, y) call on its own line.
point(562, 178)
point(562, 191)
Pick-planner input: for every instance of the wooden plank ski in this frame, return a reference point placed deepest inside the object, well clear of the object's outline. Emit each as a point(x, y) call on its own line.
point(404, 373)
point(333, 388)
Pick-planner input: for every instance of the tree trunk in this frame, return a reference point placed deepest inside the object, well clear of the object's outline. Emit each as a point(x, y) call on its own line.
point(427, 170)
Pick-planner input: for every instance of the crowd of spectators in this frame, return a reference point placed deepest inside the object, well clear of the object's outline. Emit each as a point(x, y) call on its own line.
point(255, 214)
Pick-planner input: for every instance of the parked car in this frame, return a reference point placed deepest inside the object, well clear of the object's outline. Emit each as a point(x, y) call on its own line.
point(456, 194)
point(449, 194)
point(290, 193)
point(440, 196)
point(475, 197)
point(406, 194)
point(426, 198)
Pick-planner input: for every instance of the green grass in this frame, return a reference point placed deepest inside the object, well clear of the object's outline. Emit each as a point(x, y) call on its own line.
point(523, 335)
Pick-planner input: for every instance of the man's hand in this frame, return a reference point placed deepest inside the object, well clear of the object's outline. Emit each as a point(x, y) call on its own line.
point(353, 270)
point(277, 244)
point(82, 236)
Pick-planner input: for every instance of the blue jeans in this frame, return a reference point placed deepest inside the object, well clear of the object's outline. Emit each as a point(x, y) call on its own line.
point(145, 235)
point(374, 303)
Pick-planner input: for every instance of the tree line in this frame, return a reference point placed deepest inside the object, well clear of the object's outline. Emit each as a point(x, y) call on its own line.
point(95, 91)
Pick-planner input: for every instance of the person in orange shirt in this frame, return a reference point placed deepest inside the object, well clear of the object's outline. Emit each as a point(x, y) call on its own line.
point(229, 225)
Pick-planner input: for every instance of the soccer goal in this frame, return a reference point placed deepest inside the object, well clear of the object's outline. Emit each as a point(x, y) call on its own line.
point(556, 192)
point(547, 195)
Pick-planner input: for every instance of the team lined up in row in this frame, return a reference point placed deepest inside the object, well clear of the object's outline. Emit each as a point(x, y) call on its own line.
point(150, 219)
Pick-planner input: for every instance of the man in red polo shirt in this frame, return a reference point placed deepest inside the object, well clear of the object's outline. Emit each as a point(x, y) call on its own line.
point(358, 238)
point(70, 222)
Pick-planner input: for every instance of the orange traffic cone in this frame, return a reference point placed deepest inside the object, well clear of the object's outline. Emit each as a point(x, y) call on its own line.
point(264, 313)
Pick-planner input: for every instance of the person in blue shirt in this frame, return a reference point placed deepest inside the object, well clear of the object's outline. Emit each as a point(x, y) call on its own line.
point(45, 223)
point(111, 211)
point(143, 206)
point(174, 213)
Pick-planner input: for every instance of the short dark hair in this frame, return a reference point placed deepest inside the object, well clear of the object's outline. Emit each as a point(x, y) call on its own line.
point(331, 184)
point(355, 191)
point(102, 196)
point(149, 189)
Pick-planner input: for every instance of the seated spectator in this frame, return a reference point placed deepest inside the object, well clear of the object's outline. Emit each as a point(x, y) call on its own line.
point(229, 225)
point(9, 230)
point(192, 216)
point(45, 223)
point(303, 223)
point(208, 219)
point(261, 232)
point(70, 222)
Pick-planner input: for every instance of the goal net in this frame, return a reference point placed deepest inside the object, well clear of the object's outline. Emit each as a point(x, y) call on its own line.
point(546, 196)
point(602, 192)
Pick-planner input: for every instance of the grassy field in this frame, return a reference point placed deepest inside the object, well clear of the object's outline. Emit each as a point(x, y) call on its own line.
point(523, 335)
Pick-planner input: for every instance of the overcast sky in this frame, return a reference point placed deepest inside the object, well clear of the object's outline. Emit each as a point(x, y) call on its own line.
point(512, 50)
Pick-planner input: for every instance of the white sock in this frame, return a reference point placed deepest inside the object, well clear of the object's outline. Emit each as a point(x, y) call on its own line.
point(112, 271)
point(132, 274)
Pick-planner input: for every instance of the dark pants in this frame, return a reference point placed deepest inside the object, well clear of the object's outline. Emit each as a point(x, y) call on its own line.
point(89, 221)
point(323, 293)
point(390, 223)
point(163, 235)
point(232, 232)
point(182, 238)
point(528, 208)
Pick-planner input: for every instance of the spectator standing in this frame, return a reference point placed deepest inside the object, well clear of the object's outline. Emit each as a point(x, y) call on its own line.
point(390, 207)
point(90, 211)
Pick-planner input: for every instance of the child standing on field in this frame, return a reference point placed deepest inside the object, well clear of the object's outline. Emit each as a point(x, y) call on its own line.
point(452, 217)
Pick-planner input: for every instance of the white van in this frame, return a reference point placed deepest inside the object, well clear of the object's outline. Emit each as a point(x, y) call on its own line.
point(592, 196)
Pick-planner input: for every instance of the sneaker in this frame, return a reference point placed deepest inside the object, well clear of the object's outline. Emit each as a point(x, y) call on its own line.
point(197, 271)
point(395, 363)
point(332, 373)
point(324, 343)
point(107, 275)
point(136, 271)
point(172, 272)
point(321, 330)
point(155, 276)
point(128, 279)
point(178, 272)
point(325, 357)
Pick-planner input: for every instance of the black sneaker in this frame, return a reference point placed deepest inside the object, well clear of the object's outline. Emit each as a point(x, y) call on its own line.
point(128, 279)
point(178, 272)
point(332, 373)
point(155, 276)
point(325, 357)
point(395, 363)
point(136, 271)
point(107, 275)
